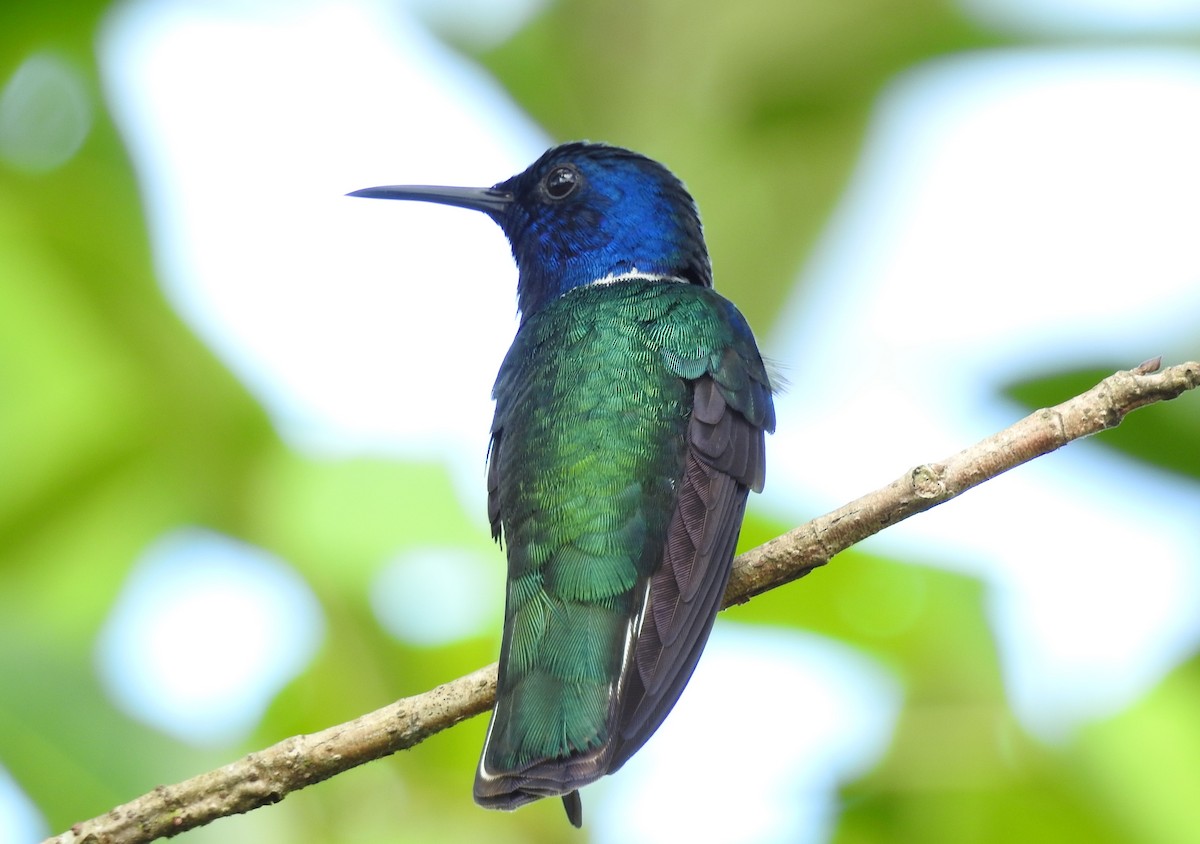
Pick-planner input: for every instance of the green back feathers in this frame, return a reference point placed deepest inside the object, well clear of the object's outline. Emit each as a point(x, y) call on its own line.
point(593, 404)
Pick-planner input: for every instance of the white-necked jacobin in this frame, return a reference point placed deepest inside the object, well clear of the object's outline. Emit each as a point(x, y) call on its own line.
point(630, 419)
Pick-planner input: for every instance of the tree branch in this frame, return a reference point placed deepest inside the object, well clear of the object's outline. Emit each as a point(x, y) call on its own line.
point(270, 775)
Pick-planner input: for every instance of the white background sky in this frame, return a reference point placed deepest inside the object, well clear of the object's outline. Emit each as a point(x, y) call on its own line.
point(1084, 159)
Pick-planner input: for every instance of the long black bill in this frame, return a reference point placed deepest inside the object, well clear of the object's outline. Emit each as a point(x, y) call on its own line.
point(488, 200)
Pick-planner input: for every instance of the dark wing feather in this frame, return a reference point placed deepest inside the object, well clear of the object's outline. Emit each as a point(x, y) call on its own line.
point(724, 461)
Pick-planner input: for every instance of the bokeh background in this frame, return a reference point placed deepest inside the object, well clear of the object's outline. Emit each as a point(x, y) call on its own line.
point(243, 418)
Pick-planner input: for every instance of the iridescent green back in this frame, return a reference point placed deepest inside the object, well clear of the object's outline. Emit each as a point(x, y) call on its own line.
point(594, 402)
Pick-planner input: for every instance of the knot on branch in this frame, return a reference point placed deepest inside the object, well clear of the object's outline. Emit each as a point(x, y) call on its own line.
point(928, 481)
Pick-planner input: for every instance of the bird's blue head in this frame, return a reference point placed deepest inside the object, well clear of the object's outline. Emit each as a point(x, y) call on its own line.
point(584, 213)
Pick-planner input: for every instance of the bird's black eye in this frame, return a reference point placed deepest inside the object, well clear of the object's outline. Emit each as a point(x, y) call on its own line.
point(561, 182)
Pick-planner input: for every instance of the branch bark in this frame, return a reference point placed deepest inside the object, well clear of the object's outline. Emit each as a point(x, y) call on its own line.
point(269, 775)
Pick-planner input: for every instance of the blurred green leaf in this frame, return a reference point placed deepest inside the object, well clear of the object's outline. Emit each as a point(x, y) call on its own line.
point(1144, 764)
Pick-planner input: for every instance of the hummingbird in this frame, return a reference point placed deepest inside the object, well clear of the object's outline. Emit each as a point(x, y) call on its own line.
point(631, 413)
